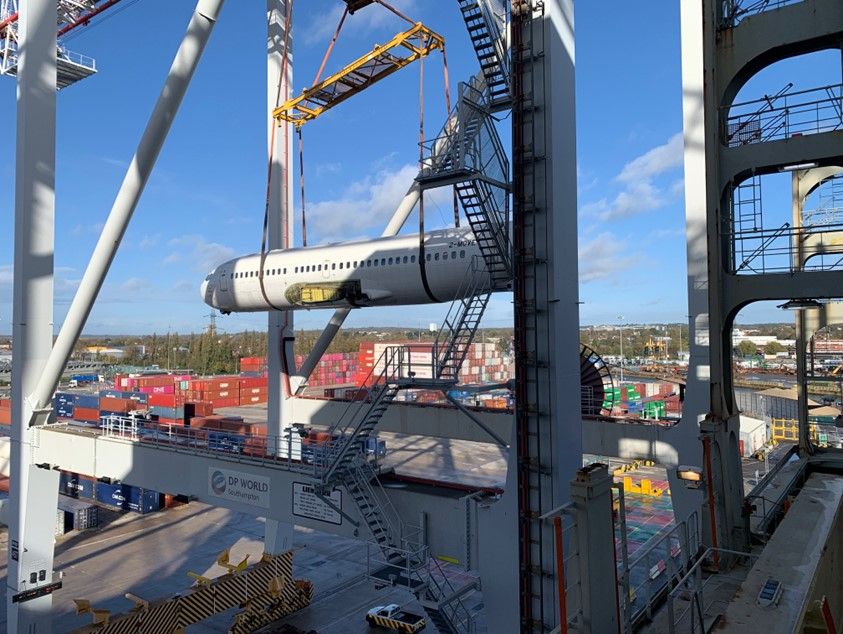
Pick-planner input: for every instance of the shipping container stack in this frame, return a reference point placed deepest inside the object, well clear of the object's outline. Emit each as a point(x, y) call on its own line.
point(250, 365)
point(334, 368)
point(253, 390)
point(219, 391)
point(484, 363)
point(5, 411)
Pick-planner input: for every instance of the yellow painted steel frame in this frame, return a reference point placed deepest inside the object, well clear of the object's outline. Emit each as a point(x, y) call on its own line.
point(418, 41)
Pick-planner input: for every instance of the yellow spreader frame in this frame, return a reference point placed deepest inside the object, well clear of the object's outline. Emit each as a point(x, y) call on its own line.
point(381, 62)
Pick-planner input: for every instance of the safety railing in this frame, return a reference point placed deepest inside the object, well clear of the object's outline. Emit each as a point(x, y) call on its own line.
point(396, 566)
point(279, 451)
point(784, 116)
point(704, 592)
point(441, 590)
point(393, 366)
point(77, 58)
point(9, 58)
point(766, 505)
point(755, 251)
point(468, 143)
point(404, 538)
point(734, 11)
point(666, 557)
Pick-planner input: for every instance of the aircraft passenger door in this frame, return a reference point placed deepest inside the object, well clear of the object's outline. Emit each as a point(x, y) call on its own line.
point(326, 269)
point(224, 280)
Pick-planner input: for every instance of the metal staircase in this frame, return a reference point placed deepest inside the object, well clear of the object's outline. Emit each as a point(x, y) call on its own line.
point(468, 153)
point(485, 21)
point(457, 332)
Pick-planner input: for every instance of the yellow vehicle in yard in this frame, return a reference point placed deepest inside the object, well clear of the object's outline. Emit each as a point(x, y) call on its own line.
point(392, 617)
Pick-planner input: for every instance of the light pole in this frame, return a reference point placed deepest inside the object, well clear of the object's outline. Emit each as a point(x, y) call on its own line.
point(620, 318)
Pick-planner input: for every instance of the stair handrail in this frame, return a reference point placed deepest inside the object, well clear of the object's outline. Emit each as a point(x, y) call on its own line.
point(499, 225)
point(459, 612)
point(477, 280)
point(398, 531)
point(451, 141)
point(396, 366)
point(494, 22)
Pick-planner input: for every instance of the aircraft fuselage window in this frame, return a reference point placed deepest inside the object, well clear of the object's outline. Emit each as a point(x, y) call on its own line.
point(389, 261)
point(462, 254)
point(383, 261)
point(428, 257)
point(412, 259)
point(333, 266)
point(436, 256)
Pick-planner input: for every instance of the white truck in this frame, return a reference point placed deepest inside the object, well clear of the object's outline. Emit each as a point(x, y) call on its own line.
point(392, 617)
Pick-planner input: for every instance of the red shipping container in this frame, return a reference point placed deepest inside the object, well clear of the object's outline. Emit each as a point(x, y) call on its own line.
point(124, 405)
point(89, 414)
point(162, 420)
point(155, 381)
point(4, 484)
point(162, 400)
point(5, 402)
point(5, 416)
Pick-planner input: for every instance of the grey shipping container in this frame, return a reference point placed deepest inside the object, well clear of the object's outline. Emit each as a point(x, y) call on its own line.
point(82, 514)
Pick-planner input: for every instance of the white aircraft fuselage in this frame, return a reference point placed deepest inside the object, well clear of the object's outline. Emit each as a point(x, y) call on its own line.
point(380, 272)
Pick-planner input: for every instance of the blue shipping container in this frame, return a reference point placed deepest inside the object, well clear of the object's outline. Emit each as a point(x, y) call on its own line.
point(85, 378)
point(140, 397)
point(225, 441)
point(128, 497)
point(75, 485)
point(91, 401)
point(63, 409)
point(66, 398)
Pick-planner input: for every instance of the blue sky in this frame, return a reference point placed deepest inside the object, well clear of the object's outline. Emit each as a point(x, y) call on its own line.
point(204, 202)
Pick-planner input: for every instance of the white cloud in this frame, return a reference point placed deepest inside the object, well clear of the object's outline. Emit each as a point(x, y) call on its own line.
point(148, 242)
point(365, 204)
point(603, 256)
point(635, 199)
point(203, 254)
point(640, 194)
point(135, 285)
point(321, 27)
point(95, 229)
point(656, 161)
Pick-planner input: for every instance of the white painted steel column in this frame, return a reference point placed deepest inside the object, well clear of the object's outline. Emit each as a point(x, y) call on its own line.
point(685, 436)
point(32, 329)
point(280, 334)
point(181, 72)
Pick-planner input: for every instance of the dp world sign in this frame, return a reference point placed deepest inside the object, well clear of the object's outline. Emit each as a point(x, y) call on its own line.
point(238, 486)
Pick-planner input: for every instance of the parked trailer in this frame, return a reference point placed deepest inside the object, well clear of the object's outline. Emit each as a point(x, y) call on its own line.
point(393, 617)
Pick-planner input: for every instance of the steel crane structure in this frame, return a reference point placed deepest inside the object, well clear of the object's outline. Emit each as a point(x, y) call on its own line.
point(520, 553)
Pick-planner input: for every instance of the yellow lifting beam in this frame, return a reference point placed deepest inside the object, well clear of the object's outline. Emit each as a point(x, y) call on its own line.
point(382, 61)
